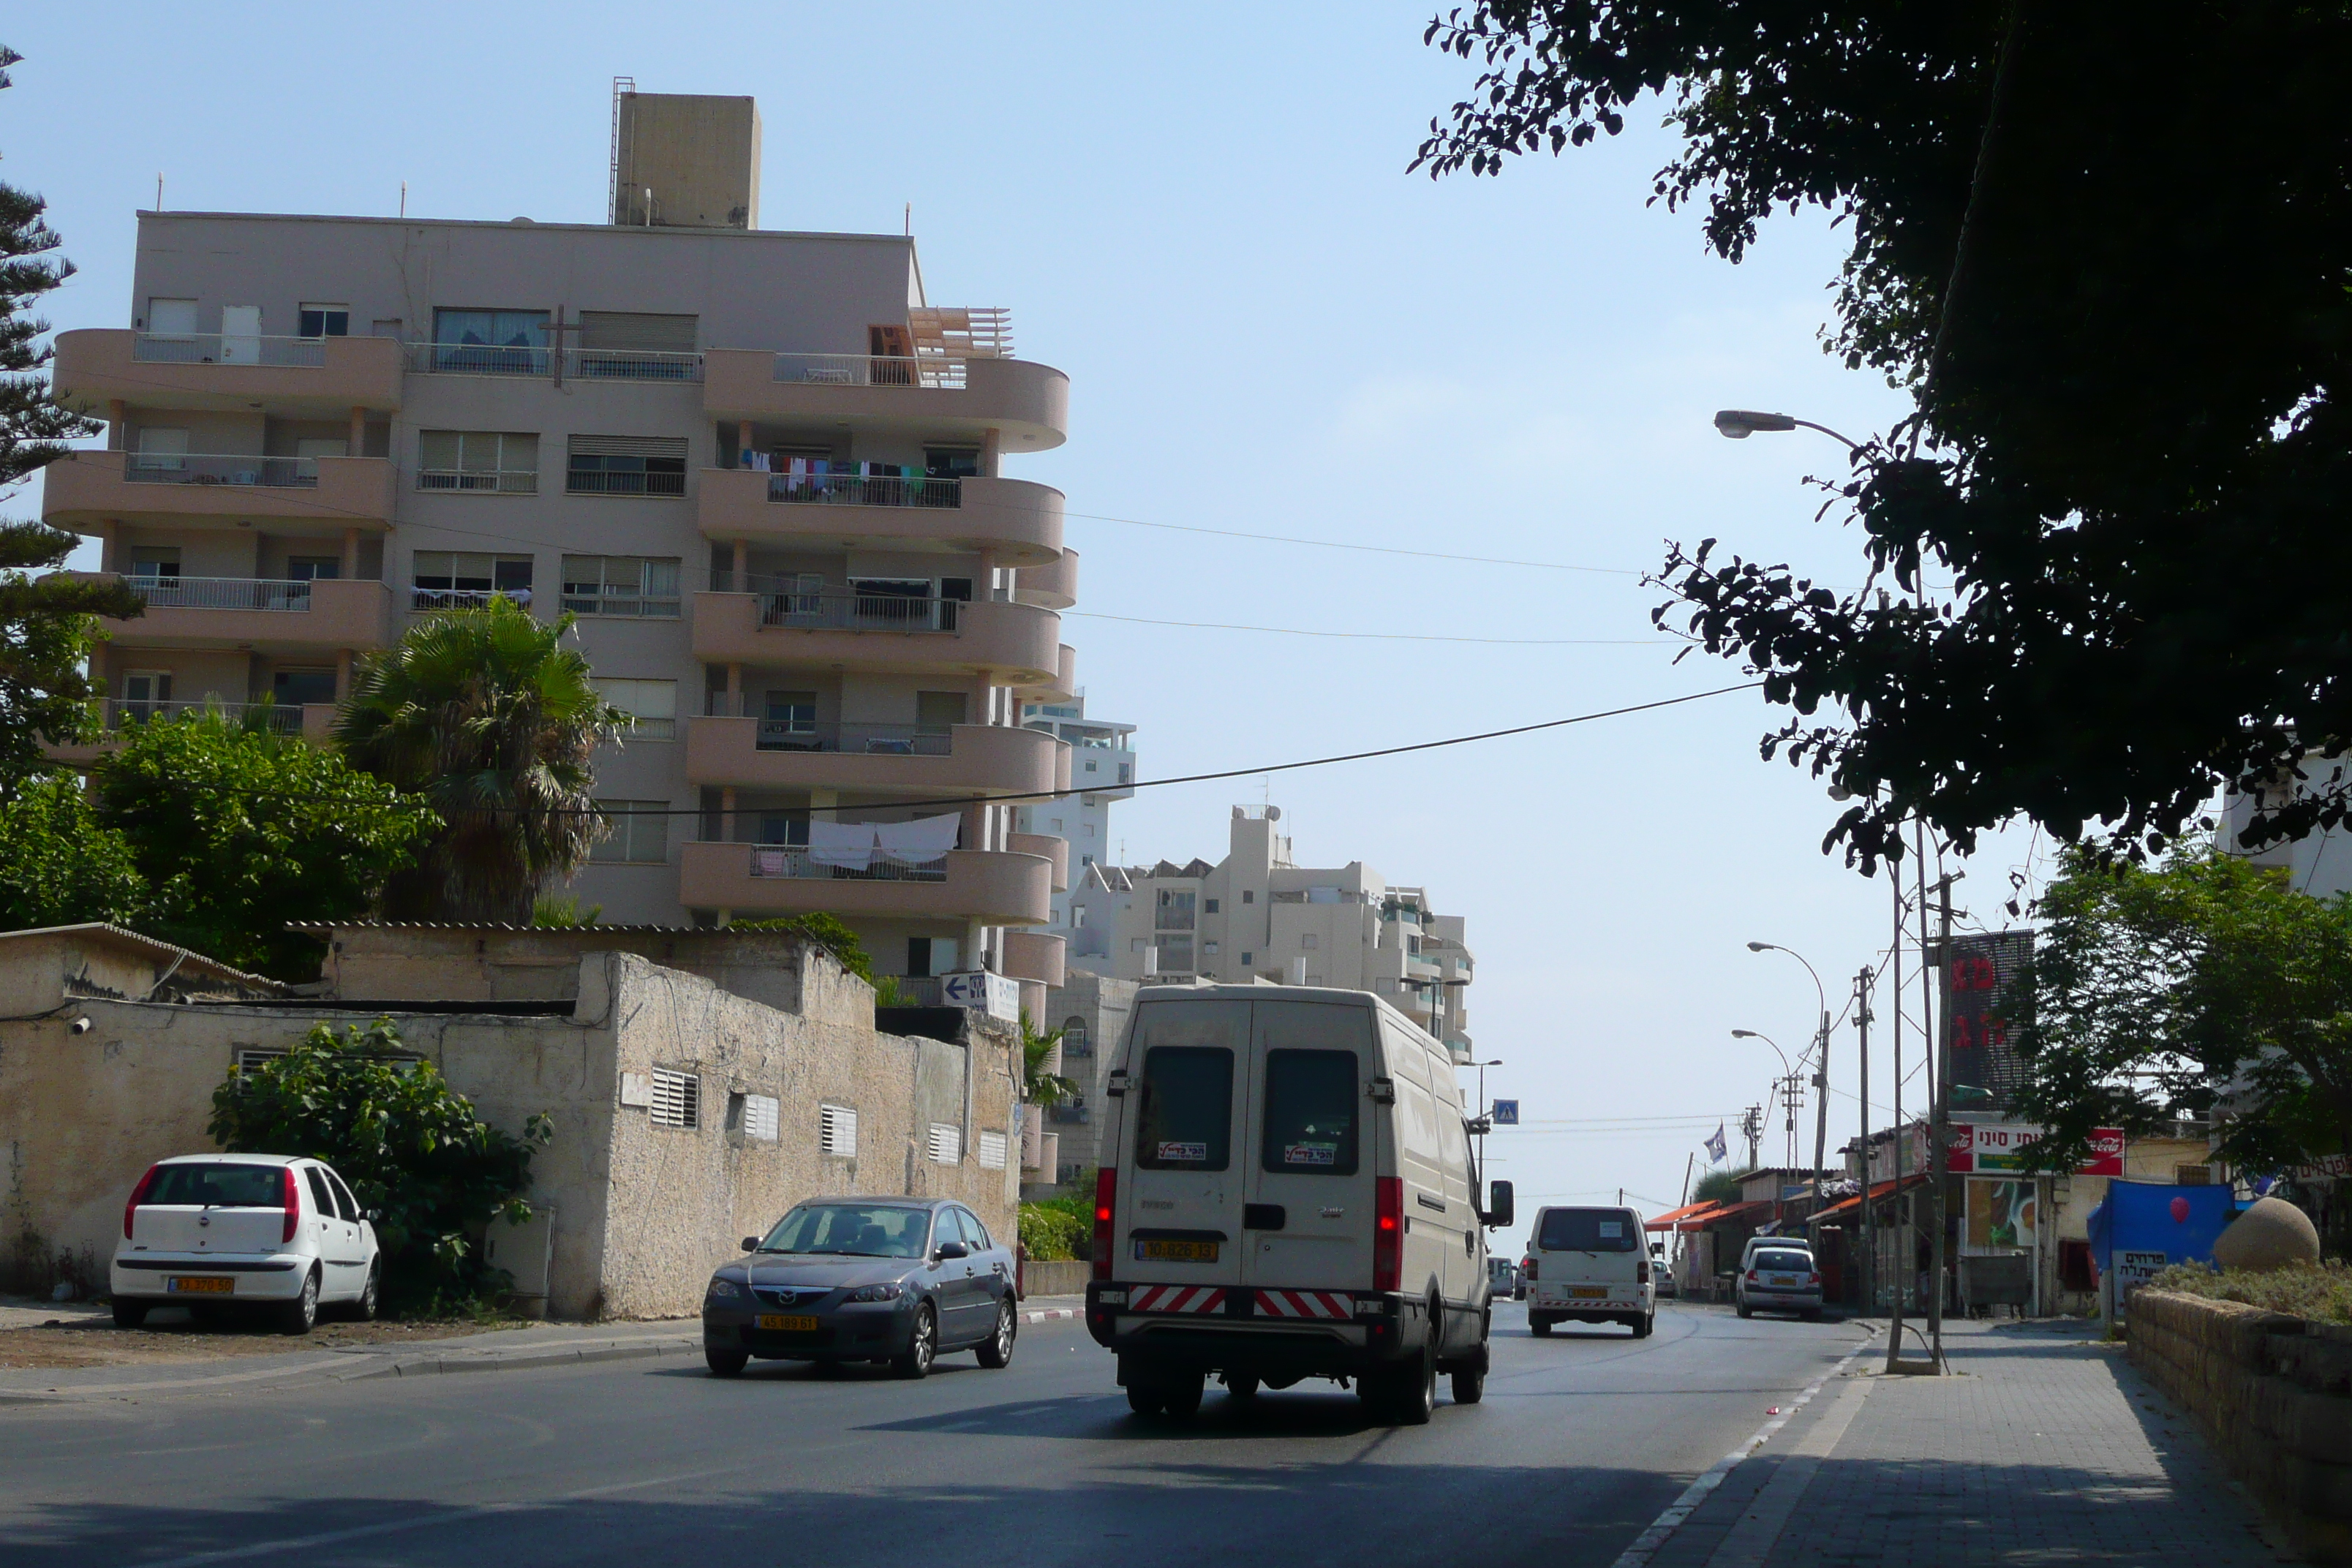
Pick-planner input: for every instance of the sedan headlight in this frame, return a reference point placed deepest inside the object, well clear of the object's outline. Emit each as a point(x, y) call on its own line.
point(725, 1287)
point(890, 1292)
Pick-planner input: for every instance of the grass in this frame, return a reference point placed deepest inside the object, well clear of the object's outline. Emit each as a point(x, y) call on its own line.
point(2320, 1292)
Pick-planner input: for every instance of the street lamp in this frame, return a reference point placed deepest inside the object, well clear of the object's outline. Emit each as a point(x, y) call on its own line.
point(1820, 1054)
point(1739, 424)
point(1789, 1078)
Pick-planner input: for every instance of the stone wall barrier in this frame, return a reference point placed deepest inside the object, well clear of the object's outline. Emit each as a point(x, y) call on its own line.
point(2273, 1396)
point(1065, 1279)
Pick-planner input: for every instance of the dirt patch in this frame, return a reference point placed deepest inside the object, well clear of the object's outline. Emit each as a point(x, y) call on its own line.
point(97, 1342)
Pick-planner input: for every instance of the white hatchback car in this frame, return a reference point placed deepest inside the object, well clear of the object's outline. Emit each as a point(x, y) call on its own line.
point(269, 1230)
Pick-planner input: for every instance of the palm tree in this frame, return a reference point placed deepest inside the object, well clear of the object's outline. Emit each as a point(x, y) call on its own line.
point(1038, 1086)
point(484, 714)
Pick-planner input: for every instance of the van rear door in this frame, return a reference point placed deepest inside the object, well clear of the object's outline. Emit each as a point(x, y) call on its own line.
point(1181, 1204)
point(1311, 1156)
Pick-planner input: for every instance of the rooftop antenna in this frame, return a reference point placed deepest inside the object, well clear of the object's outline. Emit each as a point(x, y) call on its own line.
point(403, 198)
point(622, 86)
point(910, 220)
point(159, 190)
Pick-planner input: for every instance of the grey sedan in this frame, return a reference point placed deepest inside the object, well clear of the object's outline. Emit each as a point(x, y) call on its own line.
point(897, 1281)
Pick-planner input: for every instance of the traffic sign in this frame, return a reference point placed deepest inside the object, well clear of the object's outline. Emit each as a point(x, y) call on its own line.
point(1506, 1113)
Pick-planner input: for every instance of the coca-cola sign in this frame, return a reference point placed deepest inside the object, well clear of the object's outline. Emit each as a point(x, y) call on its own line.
point(1985, 1148)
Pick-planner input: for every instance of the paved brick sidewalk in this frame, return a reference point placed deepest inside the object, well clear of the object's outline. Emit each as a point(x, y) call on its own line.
point(2047, 1449)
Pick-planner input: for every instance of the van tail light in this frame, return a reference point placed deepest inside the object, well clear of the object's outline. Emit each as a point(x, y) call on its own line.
point(1527, 1267)
point(1388, 1233)
point(1105, 1196)
point(138, 1196)
point(1641, 1272)
point(293, 1196)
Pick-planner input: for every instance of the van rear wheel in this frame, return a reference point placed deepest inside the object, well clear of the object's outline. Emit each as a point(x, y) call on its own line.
point(1538, 1325)
point(1469, 1385)
point(1142, 1399)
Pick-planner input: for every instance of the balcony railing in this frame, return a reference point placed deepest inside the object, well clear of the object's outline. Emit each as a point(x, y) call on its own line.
point(479, 359)
point(623, 482)
point(866, 490)
point(868, 739)
point(943, 373)
point(222, 593)
point(776, 860)
point(219, 469)
point(631, 364)
point(481, 481)
point(421, 598)
point(284, 719)
point(784, 603)
point(537, 359)
point(224, 348)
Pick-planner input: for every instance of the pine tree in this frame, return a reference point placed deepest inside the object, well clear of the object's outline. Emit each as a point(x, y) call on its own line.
point(47, 625)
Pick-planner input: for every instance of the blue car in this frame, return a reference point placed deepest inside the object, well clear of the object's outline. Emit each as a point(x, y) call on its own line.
point(896, 1282)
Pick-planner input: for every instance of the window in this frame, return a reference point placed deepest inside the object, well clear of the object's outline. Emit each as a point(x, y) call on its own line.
point(485, 462)
point(145, 691)
point(941, 710)
point(1090, 766)
point(294, 688)
point(313, 568)
point(951, 462)
point(635, 346)
point(324, 320)
point(150, 564)
point(1075, 1040)
point(347, 1205)
point(992, 1151)
point(654, 704)
point(451, 580)
point(930, 956)
point(1310, 1113)
point(320, 1196)
point(758, 1119)
point(1184, 1117)
point(626, 465)
point(490, 343)
point(621, 584)
point(945, 1146)
point(162, 451)
point(1173, 910)
point(1175, 952)
point(1210, 908)
point(1208, 950)
point(836, 1130)
point(218, 1186)
point(789, 828)
point(789, 713)
point(1249, 958)
point(974, 1232)
point(171, 318)
point(1308, 941)
point(677, 1098)
point(1248, 896)
point(634, 838)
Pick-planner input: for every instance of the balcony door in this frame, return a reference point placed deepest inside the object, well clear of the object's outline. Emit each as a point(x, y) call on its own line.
point(240, 334)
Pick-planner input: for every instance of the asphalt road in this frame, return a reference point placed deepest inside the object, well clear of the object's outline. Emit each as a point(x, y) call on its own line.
point(1581, 1440)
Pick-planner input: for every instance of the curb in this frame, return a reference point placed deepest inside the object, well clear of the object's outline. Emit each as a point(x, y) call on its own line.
point(1045, 1312)
point(524, 1359)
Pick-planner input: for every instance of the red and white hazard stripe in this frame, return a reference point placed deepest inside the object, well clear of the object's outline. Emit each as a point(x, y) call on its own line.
point(1175, 1298)
point(1306, 1304)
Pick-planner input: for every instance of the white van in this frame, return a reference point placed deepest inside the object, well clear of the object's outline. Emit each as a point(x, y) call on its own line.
point(1588, 1265)
point(1288, 1192)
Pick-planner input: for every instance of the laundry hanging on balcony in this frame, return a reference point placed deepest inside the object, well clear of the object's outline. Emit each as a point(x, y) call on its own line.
point(847, 845)
point(920, 842)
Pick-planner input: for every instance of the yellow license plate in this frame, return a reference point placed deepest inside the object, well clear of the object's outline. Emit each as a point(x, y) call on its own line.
point(1590, 1292)
point(1176, 1251)
point(181, 1286)
point(788, 1323)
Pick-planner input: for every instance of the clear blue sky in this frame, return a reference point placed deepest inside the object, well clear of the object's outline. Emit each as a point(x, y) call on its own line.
point(1204, 216)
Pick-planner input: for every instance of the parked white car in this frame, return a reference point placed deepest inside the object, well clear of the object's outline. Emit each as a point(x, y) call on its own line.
point(266, 1230)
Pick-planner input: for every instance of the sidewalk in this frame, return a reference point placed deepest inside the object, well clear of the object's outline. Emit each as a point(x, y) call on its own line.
point(2046, 1447)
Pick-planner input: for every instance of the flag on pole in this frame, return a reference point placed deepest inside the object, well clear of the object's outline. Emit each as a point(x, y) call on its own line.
point(1716, 1147)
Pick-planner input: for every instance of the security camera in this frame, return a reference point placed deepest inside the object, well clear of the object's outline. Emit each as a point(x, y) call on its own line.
point(79, 1026)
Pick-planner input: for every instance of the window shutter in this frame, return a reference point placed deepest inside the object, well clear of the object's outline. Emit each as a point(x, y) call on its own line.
point(670, 446)
point(992, 1151)
point(677, 1098)
point(637, 330)
point(946, 1144)
point(837, 1130)
point(759, 1117)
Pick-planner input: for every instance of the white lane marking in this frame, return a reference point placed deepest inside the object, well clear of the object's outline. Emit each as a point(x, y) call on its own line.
point(1645, 1545)
point(1752, 1539)
point(400, 1526)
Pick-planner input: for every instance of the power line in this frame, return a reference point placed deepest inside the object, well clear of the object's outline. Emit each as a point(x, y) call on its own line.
point(1373, 549)
point(1385, 636)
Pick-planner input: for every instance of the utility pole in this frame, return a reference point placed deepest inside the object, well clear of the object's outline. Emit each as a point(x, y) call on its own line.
point(1902, 1255)
point(1869, 1225)
point(1751, 1126)
point(1690, 1162)
point(1939, 1123)
point(1821, 1105)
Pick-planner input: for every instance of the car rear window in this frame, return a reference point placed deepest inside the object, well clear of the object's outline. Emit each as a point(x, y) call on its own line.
point(1589, 1230)
point(1310, 1112)
point(1784, 1262)
point(219, 1186)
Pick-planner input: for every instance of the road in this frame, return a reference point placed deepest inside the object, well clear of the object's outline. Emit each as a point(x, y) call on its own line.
point(1582, 1438)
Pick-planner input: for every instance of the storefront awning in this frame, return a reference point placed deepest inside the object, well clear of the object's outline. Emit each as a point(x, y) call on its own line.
point(1877, 1190)
point(1671, 1219)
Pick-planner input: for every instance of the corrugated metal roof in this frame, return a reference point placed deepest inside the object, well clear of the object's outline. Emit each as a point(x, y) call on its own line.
point(128, 937)
point(324, 926)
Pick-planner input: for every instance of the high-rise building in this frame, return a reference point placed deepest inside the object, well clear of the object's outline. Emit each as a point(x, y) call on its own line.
point(1102, 770)
point(767, 473)
point(1259, 915)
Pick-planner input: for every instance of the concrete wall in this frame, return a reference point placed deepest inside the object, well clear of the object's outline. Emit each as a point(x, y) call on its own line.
point(2269, 1393)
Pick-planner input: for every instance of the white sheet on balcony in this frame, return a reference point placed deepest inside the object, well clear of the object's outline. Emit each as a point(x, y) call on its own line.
point(848, 844)
point(920, 842)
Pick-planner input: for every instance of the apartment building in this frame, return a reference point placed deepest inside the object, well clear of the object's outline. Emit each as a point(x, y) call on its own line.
point(770, 477)
point(1259, 915)
point(1102, 770)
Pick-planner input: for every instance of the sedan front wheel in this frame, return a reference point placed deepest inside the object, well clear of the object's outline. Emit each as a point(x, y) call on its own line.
point(922, 1345)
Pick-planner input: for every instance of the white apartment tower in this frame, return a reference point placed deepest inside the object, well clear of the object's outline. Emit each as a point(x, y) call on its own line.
point(769, 475)
point(1102, 770)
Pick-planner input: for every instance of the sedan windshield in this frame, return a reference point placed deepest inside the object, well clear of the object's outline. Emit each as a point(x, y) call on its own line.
point(851, 1230)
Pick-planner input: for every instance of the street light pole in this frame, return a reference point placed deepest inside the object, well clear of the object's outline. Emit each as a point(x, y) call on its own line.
point(1786, 1087)
point(1739, 424)
point(1820, 1059)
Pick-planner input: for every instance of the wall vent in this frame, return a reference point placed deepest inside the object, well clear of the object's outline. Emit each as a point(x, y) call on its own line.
point(837, 1130)
point(677, 1098)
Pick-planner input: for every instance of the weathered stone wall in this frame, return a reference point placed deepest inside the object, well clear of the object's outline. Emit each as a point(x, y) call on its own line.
point(2274, 1394)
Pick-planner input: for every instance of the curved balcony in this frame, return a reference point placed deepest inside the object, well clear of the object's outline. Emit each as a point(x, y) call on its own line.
point(1035, 955)
point(289, 377)
point(1019, 521)
point(84, 489)
point(1062, 685)
point(1054, 586)
point(994, 887)
point(1053, 848)
point(1010, 643)
point(326, 613)
point(1028, 405)
point(961, 759)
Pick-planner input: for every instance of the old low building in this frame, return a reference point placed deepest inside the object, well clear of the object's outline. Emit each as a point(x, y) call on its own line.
point(687, 1113)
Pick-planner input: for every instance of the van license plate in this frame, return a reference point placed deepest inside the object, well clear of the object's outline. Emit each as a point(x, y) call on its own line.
point(1591, 1292)
point(794, 1323)
point(1176, 1251)
point(179, 1285)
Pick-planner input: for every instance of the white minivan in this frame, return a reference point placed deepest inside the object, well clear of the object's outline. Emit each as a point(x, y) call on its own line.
point(237, 1230)
point(1288, 1192)
point(1588, 1265)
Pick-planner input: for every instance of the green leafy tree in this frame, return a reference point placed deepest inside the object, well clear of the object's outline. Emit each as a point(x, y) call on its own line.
point(2109, 264)
point(412, 1148)
point(1039, 1087)
point(47, 625)
point(486, 714)
point(2203, 984)
point(1718, 1187)
point(237, 829)
point(59, 865)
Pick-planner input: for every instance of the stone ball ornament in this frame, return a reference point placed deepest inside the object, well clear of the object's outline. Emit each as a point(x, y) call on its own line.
point(2271, 1234)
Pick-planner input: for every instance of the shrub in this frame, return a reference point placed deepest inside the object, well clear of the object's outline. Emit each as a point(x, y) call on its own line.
point(827, 932)
point(2320, 1292)
point(412, 1148)
point(1059, 1230)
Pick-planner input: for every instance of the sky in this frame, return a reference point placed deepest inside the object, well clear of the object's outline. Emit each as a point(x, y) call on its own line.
point(1204, 214)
